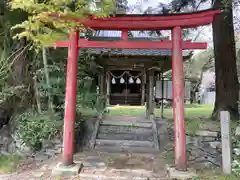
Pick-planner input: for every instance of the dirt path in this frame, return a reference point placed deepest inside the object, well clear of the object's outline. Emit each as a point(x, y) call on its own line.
point(98, 165)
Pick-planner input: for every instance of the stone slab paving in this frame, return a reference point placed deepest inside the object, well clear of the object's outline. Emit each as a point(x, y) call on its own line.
point(104, 166)
point(122, 166)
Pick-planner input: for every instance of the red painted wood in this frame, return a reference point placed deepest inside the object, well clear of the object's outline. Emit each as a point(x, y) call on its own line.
point(145, 25)
point(70, 99)
point(124, 35)
point(188, 20)
point(174, 16)
point(178, 100)
point(165, 44)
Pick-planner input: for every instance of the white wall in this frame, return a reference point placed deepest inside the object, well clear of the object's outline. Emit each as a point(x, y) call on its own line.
point(208, 98)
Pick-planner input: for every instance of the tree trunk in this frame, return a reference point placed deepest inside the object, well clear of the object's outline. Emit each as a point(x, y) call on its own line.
point(193, 99)
point(45, 64)
point(225, 63)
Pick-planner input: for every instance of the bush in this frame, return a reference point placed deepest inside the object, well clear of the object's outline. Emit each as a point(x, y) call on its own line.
point(236, 152)
point(236, 155)
point(33, 127)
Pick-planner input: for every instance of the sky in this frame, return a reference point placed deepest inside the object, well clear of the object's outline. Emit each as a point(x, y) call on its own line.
point(206, 32)
point(148, 2)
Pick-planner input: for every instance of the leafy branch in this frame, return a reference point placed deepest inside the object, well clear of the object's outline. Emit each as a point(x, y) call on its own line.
point(44, 30)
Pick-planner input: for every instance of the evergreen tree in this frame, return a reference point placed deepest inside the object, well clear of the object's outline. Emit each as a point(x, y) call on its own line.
point(227, 85)
point(122, 6)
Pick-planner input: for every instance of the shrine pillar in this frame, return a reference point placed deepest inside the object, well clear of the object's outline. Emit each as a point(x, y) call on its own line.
point(147, 94)
point(108, 79)
point(101, 83)
point(151, 85)
point(162, 91)
point(178, 100)
point(70, 100)
point(101, 90)
point(143, 82)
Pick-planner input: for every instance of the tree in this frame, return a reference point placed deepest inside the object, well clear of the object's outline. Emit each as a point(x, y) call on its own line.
point(15, 87)
point(225, 57)
point(227, 85)
point(195, 68)
point(121, 6)
point(41, 29)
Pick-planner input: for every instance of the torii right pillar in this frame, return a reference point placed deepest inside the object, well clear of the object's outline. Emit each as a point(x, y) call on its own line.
point(178, 100)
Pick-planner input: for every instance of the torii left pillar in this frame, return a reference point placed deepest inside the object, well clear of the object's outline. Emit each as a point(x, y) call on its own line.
point(67, 167)
point(178, 100)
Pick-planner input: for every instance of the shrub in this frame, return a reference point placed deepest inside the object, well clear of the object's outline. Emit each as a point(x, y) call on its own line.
point(33, 127)
point(236, 155)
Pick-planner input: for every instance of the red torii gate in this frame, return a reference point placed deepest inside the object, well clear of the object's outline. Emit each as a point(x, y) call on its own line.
point(125, 23)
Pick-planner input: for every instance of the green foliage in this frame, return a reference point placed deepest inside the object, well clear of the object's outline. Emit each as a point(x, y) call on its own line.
point(9, 163)
point(34, 127)
point(9, 91)
point(236, 157)
point(87, 90)
point(5, 65)
point(43, 29)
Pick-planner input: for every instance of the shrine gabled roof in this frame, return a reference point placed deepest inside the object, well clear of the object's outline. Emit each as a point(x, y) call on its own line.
point(133, 52)
point(107, 35)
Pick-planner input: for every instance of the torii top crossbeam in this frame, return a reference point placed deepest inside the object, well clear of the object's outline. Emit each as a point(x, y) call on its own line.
point(147, 22)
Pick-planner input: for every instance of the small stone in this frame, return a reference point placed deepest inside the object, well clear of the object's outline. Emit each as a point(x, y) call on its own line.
point(5, 153)
point(57, 146)
point(58, 151)
point(57, 141)
point(5, 139)
point(41, 157)
point(215, 144)
point(23, 148)
point(207, 133)
point(209, 126)
point(50, 152)
point(12, 147)
point(47, 144)
point(207, 139)
point(44, 167)
point(237, 131)
point(38, 174)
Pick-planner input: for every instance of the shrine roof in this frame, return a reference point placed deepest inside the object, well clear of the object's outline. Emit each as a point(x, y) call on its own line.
point(133, 52)
point(110, 35)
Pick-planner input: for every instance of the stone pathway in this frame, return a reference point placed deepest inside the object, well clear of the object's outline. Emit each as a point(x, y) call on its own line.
point(99, 166)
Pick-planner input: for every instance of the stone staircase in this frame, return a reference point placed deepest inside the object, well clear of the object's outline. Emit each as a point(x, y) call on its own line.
point(125, 134)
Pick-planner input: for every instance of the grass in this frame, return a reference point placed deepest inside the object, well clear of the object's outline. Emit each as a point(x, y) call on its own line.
point(215, 174)
point(191, 111)
point(193, 114)
point(9, 163)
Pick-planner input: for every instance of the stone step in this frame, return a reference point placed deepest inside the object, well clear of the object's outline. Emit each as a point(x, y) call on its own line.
point(124, 129)
point(129, 123)
point(125, 149)
point(126, 136)
point(126, 143)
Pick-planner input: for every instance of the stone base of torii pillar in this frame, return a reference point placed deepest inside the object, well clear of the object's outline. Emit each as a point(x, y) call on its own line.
point(173, 173)
point(72, 170)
